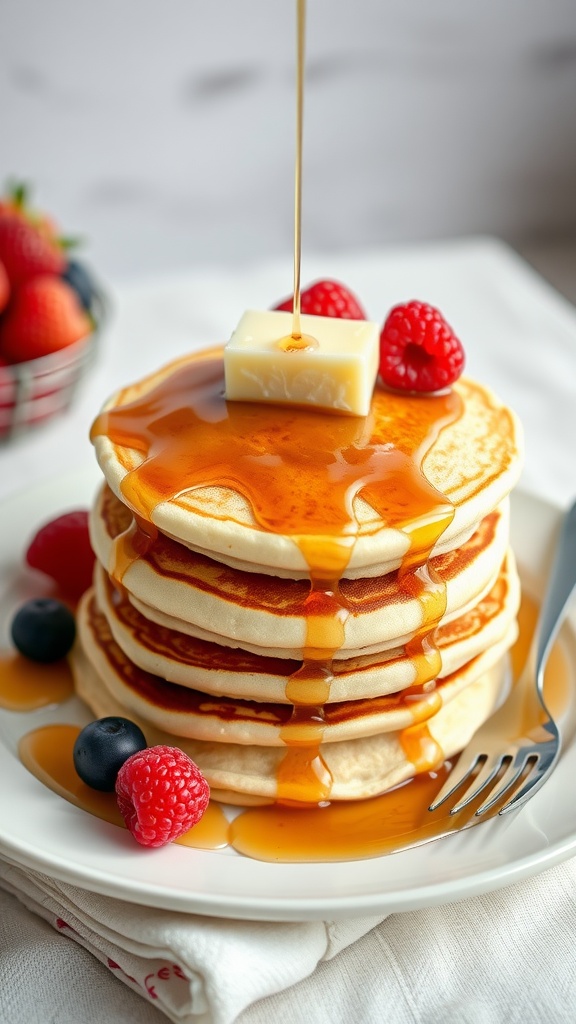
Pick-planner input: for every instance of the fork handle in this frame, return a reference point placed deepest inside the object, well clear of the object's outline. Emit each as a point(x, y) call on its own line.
point(560, 587)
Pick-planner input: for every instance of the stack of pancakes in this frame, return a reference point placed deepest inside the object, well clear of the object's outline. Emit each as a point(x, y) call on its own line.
point(314, 607)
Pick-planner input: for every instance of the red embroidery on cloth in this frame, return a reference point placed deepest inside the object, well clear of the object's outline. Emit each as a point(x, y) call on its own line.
point(60, 923)
point(163, 974)
point(116, 967)
point(149, 987)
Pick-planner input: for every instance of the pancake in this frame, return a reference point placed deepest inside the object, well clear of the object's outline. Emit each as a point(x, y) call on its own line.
point(360, 768)
point(233, 672)
point(232, 500)
point(185, 591)
point(190, 713)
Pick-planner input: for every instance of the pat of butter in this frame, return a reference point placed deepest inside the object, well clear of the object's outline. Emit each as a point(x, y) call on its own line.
point(338, 374)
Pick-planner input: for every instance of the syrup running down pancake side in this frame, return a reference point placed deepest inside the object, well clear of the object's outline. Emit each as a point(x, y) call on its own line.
point(359, 829)
point(300, 472)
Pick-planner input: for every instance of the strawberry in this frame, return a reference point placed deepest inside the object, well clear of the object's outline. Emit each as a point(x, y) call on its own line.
point(7, 394)
point(419, 350)
point(27, 250)
point(327, 298)
point(13, 201)
point(4, 287)
point(43, 316)
point(16, 201)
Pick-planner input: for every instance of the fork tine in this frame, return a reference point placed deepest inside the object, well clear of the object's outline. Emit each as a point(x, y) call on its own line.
point(509, 778)
point(534, 781)
point(534, 754)
point(479, 783)
point(453, 782)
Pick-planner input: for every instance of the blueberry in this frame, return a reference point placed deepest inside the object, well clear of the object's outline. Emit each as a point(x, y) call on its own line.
point(102, 748)
point(81, 281)
point(43, 629)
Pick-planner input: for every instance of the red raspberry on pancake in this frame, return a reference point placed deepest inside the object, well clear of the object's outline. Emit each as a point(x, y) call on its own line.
point(327, 298)
point(419, 350)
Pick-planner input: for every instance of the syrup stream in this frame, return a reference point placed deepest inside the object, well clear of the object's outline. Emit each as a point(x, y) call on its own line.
point(300, 41)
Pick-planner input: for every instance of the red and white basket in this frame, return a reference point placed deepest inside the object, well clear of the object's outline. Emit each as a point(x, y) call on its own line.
point(33, 392)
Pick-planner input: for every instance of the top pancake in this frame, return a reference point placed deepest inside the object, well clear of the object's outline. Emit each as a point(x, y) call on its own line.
point(287, 491)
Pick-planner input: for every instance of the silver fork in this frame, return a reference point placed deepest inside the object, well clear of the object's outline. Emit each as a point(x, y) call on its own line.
point(505, 751)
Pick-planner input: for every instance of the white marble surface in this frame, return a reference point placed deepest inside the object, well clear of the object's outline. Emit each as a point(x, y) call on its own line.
point(164, 132)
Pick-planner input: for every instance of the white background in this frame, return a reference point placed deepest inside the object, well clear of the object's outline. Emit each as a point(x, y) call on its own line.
point(163, 132)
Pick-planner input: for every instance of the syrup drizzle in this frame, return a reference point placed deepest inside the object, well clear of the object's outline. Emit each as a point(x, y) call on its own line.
point(301, 474)
point(399, 818)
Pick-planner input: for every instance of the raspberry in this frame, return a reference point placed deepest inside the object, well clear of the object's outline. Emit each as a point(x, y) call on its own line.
point(418, 349)
point(327, 298)
point(161, 794)
point(61, 549)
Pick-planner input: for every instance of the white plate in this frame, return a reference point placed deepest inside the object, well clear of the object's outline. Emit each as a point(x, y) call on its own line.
point(42, 831)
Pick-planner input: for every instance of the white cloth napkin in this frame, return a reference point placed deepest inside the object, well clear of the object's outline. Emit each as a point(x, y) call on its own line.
point(507, 956)
point(197, 970)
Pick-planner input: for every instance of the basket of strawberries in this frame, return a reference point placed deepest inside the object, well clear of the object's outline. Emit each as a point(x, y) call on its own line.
point(51, 310)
